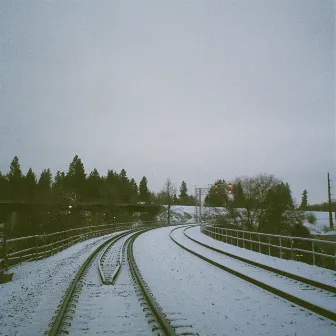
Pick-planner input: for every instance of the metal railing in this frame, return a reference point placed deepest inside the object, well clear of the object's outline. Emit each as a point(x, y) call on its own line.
point(17, 250)
point(312, 251)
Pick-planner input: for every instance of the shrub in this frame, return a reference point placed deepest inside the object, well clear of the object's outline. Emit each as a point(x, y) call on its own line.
point(311, 218)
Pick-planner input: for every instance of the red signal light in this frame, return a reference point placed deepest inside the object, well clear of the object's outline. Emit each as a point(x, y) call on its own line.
point(230, 189)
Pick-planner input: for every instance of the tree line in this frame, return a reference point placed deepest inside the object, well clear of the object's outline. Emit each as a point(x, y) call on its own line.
point(76, 185)
point(259, 203)
point(71, 186)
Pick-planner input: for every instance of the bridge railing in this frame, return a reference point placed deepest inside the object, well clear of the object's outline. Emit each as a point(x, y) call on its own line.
point(17, 250)
point(312, 251)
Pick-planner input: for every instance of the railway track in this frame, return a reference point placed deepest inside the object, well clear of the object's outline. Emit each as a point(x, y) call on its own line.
point(314, 296)
point(112, 258)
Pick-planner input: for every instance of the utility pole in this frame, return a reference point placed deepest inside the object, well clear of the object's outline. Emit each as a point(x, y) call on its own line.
point(329, 201)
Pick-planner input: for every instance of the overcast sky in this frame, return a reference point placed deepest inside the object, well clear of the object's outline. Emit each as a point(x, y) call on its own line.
point(191, 90)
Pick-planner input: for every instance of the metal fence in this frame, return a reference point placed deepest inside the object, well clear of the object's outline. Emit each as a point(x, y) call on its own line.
point(16, 250)
point(312, 251)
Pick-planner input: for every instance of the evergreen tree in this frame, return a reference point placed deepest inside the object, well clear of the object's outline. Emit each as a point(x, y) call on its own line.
point(304, 200)
point(44, 186)
point(124, 187)
point(110, 190)
point(59, 180)
point(15, 180)
point(238, 195)
point(183, 190)
point(76, 177)
point(217, 196)
point(144, 194)
point(94, 185)
point(4, 190)
point(30, 184)
point(278, 201)
point(134, 190)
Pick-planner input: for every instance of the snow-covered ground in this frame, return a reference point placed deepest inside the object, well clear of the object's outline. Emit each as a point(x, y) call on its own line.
point(315, 273)
point(321, 227)
point(213, 301)
point(180, 214)
point(28, 303)
point(292, 287)
point(107, 309)
point(190, 291)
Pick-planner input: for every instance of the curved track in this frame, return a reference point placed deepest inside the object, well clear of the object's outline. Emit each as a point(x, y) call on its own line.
point(315, 298)
point(110, 257)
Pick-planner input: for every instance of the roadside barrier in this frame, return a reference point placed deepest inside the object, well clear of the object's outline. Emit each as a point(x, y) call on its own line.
point(17, 250)
point(312, 251)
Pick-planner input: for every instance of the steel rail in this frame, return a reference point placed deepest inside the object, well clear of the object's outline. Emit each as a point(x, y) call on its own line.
point(159, 315)
point(303, 303)
point(61, 315)
point(310, 282)
point(101, 273)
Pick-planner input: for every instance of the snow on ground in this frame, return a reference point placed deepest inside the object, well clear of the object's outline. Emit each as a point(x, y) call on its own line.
point(292, 287)
point(295, 267)
point(107, 309)
point(179, 215)
point(322, 225)
point(213, 301)
point(30, 300)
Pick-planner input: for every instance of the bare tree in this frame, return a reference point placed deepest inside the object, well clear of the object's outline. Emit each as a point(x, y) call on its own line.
point(168, 193)
point(254, 191)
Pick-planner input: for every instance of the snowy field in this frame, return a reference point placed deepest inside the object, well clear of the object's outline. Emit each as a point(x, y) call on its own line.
point(29, 302)
point(213, 301)
point(321, 227)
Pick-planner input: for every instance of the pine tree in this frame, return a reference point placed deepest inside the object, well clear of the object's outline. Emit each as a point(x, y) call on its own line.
point(183, 190)
point(110, 187)
point(30, 184)
point(134, 190)
point(59, 180)
point(94, 185)
point(304, 200)
point(44, 186)
point(15, 180)
point(217, 196)
point(76, 177)
point(144, 194)
point(4, 190)
point(124, 187)
point(238, 196)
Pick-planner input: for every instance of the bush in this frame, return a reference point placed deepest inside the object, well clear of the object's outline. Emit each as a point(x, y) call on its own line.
point(311, 218)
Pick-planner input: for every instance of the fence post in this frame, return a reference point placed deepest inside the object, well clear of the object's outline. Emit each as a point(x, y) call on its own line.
point(5, 244)
point(52, 245)
point(280, 247)
point(259, 243)
point(237, 238)
point(251, 247)
point(269, 246)
point(226, 240)
point(243, 239)
point(44, 248)
point(291, 243)
point(36, 247)
point(313, 250)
